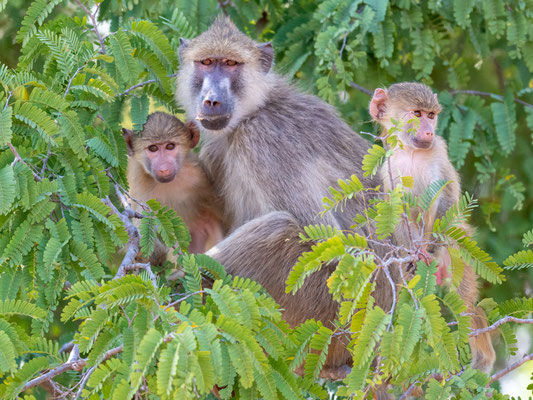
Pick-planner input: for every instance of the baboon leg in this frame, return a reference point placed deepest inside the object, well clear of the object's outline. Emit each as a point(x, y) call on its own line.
point(265, 249)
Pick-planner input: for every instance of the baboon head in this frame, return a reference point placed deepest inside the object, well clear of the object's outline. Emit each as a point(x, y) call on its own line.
point(223, 75)
point(162, 145)
point(404, 102)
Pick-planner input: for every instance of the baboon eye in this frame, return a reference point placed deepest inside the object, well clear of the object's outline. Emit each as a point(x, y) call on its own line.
point(231, 63)
point(170, 146)
point(431, 115)
point(206, 61)
point(153, 148)
point(417, 113)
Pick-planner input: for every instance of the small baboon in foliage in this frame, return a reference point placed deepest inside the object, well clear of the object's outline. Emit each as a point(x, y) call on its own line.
point(423, 155)
point(162, 166)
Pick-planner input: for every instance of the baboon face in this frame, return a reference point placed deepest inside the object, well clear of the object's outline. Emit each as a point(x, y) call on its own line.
point(407, 102)
point(224, 75)
point(217, 81)
point(162, 145)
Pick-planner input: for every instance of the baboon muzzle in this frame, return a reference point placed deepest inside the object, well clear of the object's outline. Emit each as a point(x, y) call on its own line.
point(216, 107)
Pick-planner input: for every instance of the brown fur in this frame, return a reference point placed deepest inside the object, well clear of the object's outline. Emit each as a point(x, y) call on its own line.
point(426, 166)
point(190, 194)
point(272, 165)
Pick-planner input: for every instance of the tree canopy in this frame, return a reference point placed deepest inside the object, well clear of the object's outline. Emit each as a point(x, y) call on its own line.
point(79, 319)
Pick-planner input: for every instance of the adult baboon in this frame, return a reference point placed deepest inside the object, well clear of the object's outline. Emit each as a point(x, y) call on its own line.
point(271, 153)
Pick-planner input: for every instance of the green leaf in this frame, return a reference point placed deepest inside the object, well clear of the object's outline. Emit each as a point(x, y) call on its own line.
point(37, 119)
point(411, 322)
point(7, 353)
point(139, 111)
point(389, 212)
point(7, 188)
point(145, 353)
point(36, 14)
point(312, 261)
point(504, 116)
point(374, 158)
point(72, 130)
point(120, 48)
point(5, 126)
point(156, 41)
point(376, 321)
point(521, 260)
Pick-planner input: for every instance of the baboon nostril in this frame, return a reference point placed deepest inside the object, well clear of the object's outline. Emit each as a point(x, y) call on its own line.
point(212, 103)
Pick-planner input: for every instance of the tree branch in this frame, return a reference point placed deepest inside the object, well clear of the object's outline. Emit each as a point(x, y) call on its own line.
point(19, 159)
point(360, 88)
point(94, 22)
point(141, 84)
point(74, 363)
point(487, 94)
point(502, 321)
point(133, 241)
point(510, 368)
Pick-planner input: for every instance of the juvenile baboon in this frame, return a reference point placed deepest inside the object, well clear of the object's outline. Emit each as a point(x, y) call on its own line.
point(162, 166)
point(424, 156)
point(272, 152)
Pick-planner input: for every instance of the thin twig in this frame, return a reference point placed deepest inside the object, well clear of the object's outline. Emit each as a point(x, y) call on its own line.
point(408, 391)
point(93, 21)
point(19, 159)
point(391, 281)
point(169, 305)
point(7, 100)
point(510, 368)
point(83, 381)
point(133, 241)
point(72, 78)
point(360, 88)
point(502, 321)
point(141, 84)
point(487, 94)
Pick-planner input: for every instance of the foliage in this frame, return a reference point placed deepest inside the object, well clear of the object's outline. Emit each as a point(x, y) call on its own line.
point(67, 88)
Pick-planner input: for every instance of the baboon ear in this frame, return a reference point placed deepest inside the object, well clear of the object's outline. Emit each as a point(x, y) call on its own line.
point(267, 55)
point(183, 45)
point(378, 105)
point(128, 135)
point(194, 133)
